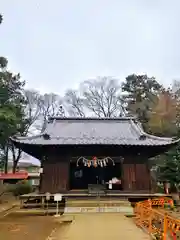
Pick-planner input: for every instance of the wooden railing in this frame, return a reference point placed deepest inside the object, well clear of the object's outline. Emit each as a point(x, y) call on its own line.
point(152, 216)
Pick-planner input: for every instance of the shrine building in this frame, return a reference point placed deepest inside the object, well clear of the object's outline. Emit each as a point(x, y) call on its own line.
point(76, 153)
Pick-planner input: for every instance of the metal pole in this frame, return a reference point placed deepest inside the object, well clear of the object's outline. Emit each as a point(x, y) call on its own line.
point(47, 207)
point(57, 208)
point(99, 201)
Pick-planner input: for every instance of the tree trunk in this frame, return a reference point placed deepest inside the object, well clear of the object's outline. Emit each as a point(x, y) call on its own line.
point(15, 158)
point(14, 166)
point(6, 159)
point(166, 187)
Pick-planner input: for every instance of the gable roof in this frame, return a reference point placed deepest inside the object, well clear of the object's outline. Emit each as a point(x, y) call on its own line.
point(23, 164)
point(90, 131)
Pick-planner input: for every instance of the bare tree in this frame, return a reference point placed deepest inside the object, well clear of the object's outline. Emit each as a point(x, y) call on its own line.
point(32, 111)
point(50, 106)
point(74, 103)
point(175, 91)
point(37, 110)
point(100, 97)
point(175, 86)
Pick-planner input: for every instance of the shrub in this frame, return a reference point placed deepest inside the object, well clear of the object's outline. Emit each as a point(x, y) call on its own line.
point(3, 189)
point(21, 187)
point(160, 188)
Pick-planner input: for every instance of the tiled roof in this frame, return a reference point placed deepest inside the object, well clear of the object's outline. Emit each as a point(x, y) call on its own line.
point(85, 131)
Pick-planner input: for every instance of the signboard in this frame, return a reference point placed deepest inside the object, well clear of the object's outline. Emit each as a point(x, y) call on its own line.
point(57, 197)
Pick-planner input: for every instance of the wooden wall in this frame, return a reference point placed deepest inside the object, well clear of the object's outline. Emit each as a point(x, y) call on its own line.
point(55, 177)
point(136, 177)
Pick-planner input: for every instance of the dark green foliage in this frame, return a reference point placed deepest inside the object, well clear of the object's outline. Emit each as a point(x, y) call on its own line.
point(3, 62)
point(169, 169)
point(140, 86)
point(158, 111)
point(22, 187)
point(1, 18)
point(12, 103)
point(141, 95)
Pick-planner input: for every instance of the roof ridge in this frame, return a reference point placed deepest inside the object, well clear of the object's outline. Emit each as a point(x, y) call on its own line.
point(91, 118)
point(152, 136)
point(137, 128)
point(140, 130)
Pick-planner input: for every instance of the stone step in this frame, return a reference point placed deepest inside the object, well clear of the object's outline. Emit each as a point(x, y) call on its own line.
point(81, 210)
point(97, 203)
point(126, 210)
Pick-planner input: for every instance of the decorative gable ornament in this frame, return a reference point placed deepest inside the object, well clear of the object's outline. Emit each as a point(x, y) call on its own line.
point(46, 136)
point(94, 162)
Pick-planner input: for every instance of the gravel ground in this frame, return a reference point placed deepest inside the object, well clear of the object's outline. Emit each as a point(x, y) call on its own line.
point(26, 228)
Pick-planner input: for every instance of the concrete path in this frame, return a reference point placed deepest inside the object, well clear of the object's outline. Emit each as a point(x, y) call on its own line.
point(105, 226)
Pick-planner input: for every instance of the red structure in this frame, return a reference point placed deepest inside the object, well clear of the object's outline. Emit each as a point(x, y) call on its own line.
point(14, 176)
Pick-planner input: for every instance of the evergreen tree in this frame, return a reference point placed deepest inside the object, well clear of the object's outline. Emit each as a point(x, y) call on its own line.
point(11, 108)
point(169, 170)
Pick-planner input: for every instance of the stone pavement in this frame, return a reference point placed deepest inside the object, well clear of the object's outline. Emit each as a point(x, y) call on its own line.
point(99, 226)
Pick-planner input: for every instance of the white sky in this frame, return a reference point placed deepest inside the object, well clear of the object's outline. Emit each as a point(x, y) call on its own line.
point(56, 44)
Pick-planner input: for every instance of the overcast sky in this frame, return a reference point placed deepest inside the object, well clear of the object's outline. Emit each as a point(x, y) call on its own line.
point(56, 44)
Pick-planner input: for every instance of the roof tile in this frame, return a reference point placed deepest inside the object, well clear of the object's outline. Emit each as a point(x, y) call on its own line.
point(83, 131)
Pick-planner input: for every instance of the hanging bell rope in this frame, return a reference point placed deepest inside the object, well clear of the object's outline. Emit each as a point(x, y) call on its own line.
point(95, 162)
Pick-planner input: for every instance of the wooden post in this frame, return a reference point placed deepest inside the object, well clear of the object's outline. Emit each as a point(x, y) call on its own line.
point(42, 201)
point(165, 227)
point(150, 216)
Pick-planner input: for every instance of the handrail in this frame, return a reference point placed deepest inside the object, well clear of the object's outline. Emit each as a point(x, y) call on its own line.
point(152, 216)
